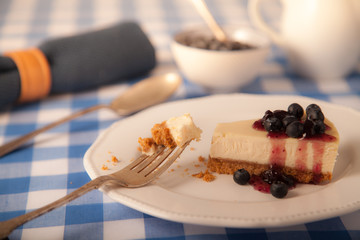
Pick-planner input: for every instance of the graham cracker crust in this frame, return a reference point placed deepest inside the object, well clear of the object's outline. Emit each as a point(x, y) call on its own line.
point(227, 166)
point(161, 135)
point(146, 144)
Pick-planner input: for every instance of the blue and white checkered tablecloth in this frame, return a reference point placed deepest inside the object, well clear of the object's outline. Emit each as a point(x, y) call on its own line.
point(51, 166)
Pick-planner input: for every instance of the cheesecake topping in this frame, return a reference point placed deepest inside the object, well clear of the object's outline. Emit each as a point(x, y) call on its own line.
point(293, 123)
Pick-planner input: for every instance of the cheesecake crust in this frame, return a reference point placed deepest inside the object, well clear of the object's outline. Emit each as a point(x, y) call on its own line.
point(146, 144)
point(162, 136)
point(228, 166)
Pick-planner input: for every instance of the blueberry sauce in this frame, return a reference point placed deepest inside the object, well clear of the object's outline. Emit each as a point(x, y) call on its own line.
point(320, 137)
point(258, 125)
point(301, 154)
point(259, 185)
point(278, 153)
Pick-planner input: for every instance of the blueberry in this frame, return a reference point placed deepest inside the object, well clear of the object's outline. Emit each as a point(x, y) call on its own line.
point(289, 119)
point(288, 180)
point(295, 129)
point(319, 127)
point(267, 114)
point(280, 114)
point(271, 175)
point(312, 128)
point(273, 124)
point(279, 189)
point(296, 110)
point(199, 43)
point(241, 176)
point(309, 128)
point(313, 107)
point(214, 45)
point(315, 115)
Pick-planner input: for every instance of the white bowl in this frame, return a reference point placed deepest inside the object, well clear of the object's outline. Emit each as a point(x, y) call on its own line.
point(226, 70)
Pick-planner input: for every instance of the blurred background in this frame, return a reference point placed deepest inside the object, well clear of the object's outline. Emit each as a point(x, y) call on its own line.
point(27, 23)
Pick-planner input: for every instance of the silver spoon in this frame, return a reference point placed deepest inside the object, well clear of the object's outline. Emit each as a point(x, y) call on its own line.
point(204, 12)
point(141, 95)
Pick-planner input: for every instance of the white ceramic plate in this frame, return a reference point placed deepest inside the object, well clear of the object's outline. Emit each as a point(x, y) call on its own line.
point(178, 196)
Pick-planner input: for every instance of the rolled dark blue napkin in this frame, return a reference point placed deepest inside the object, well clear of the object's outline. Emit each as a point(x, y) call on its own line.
point(75, 63)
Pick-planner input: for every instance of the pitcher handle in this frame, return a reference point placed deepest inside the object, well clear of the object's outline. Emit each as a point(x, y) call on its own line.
point(257, 19)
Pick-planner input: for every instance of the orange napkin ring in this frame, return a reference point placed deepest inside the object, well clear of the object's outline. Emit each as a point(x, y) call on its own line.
point(35, 74)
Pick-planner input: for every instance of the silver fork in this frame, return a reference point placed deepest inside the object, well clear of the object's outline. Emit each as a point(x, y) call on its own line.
point(137, 174)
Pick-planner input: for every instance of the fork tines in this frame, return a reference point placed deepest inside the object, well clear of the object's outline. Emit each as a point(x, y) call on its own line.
point(158, 162)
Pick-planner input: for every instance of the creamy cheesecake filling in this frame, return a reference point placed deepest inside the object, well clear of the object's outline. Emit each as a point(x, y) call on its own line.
point(240, 142)
point(176, 131)
point(183, 129)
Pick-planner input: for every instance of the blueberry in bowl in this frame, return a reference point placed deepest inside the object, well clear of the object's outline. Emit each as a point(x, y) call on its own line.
point(220, 66)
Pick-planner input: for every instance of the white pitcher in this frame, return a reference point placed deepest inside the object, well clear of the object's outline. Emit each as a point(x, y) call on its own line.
point(321, 37)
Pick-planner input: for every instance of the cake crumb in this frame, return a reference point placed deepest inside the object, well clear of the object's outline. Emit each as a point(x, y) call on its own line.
point(192, 149)
point(104, 167)
point(206, 176)
point(198, 175)
point(114, 159)
point(201, 159)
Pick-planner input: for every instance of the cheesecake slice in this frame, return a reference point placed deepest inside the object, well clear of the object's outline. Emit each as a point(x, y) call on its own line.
point(176, 131)
point(309, 157)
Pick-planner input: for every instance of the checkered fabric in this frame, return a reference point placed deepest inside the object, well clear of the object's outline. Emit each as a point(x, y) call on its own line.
point(50, 166)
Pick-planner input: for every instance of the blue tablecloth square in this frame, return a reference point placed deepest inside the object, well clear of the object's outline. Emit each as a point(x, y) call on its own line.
point(87, 213)
point(77, 151)
point(14, 185)
point(81, 103)
point(251, 234)
point(21, 155)
point(53, 218)
point(86, 231)
point(83, 125)
point(15, 129)
point(13, 202)
point(117, 211)
point(11, 214)
point(38, 183)
point(156, 228)
point(76, 180)
point(335, 229)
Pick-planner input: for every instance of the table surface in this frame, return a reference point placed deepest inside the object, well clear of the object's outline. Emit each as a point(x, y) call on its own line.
point(51, 165)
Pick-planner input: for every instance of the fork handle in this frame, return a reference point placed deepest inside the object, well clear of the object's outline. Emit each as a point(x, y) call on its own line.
point(14, 144)
point(6, 227)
